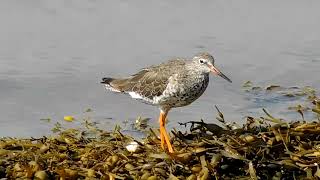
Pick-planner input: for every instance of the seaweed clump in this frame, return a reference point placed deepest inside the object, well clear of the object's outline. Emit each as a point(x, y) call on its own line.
point(262, 148)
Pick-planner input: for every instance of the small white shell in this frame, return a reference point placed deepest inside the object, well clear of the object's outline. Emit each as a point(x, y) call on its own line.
point(132, 146)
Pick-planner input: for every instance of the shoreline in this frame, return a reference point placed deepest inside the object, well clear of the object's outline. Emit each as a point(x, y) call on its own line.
point(264, 147)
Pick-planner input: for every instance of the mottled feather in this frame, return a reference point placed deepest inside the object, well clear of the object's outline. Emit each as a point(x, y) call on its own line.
point(149, 82)
point(175, 83)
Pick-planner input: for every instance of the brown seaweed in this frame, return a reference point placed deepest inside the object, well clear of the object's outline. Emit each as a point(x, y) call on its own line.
point(262, 148)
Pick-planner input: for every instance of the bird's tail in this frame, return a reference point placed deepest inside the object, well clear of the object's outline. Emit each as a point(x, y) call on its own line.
point(109, 85)
point(106, 80)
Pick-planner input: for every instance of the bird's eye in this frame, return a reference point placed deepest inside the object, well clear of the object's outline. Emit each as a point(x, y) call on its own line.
point(201, 61)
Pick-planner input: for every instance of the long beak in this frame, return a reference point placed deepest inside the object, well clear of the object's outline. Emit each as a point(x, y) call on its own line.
point(216, 71)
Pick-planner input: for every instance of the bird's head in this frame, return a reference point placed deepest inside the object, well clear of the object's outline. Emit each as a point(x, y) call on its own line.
point(205, 63)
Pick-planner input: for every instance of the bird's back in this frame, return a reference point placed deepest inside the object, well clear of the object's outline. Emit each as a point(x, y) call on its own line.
point(148, 83)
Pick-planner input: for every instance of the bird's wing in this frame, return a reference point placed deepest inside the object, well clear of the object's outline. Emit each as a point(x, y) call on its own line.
point(151, 81)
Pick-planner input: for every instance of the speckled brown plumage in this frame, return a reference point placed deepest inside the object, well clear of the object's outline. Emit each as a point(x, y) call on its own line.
point(175, 83)
point(149, 82)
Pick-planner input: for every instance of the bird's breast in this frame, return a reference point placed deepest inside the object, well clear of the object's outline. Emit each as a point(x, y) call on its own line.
point(182, 91)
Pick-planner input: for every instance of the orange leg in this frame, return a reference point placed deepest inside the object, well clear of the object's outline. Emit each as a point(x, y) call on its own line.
point(165, 139)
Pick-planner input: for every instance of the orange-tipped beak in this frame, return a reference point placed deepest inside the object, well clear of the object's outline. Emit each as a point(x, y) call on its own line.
point(216, 71)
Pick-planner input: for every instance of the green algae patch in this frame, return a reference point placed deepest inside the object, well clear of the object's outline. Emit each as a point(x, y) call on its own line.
point(265, 147)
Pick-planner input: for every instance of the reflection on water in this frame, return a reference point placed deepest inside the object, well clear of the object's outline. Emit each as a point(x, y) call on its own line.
point(54, 53)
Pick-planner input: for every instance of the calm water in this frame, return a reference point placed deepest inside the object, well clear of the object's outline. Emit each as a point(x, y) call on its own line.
point(54, 53)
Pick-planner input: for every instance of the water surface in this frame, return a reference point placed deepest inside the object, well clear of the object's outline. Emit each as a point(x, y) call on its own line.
point(54, 53)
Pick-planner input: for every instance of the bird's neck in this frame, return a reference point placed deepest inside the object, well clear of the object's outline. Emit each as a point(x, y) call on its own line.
point(193, 69)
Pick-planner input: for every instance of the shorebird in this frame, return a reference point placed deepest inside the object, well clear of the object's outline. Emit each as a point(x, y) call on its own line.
point(172, 84)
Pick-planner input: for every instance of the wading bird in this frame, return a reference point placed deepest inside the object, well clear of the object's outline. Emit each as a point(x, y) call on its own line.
point(175, 83)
